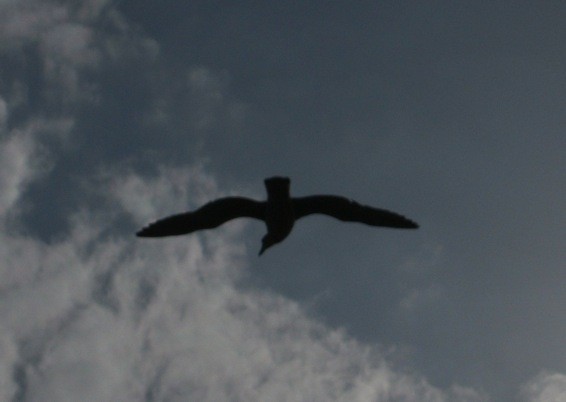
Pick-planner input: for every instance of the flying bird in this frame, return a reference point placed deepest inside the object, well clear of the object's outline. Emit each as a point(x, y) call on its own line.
point(279, 212)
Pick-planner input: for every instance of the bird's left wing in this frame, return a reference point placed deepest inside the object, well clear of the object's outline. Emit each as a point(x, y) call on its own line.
point(350, 211)
point(209, 216)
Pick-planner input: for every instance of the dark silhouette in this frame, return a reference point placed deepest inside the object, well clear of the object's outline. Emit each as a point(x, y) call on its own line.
point(279, 213)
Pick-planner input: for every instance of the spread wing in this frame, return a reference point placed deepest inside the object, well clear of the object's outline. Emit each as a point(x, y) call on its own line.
point(209, 216)
point(349, 211)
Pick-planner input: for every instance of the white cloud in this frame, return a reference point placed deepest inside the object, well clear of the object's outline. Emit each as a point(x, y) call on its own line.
point(118, 318)
point(15, 154)
point(68, 49)
point(23, 159)
point(66, 43)
point(143, 198)
point(27, 20)
point(3, 113)
point(545, 387)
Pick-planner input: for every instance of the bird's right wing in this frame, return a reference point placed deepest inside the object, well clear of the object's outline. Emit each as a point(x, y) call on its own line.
point(209, 216)
point(350, 211)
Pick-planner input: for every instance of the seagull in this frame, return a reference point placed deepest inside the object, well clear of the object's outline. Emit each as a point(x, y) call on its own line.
point(279, 212)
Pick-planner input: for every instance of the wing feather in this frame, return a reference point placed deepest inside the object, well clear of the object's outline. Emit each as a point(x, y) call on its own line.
point(209, 216)
point(348, 210)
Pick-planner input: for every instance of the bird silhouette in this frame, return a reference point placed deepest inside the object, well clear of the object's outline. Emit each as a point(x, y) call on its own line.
point(279, 212)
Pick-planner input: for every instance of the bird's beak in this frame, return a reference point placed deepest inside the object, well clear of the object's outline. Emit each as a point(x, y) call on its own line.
point(263, 248)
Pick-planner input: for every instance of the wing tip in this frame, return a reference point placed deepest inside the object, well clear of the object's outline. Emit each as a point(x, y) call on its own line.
point(158, 229)
point(401, 222)
point(412, 224)
point(148, 231)
point(142, 233)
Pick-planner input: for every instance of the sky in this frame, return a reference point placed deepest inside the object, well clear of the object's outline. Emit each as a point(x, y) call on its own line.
point(117, 113)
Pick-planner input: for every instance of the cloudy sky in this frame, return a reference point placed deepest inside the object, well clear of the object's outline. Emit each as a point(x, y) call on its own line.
point(115, 113)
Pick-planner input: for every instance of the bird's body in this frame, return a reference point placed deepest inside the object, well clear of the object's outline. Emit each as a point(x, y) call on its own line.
point(279, 212)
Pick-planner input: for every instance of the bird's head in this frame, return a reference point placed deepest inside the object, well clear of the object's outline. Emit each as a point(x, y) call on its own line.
point(267, 242)
point(278, 187)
